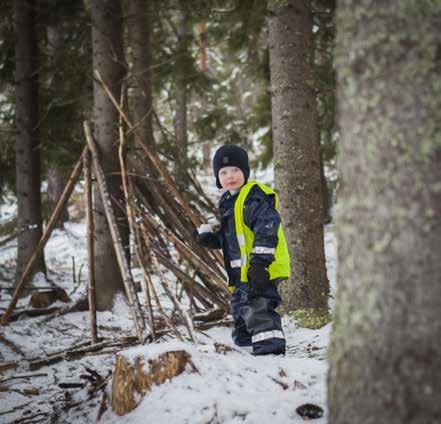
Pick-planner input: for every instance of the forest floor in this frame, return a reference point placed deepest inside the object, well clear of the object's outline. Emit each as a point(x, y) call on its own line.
point(229, 387)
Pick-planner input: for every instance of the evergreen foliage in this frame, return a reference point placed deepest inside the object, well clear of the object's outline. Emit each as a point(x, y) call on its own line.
point(66, 83)
point(225, 99)
point(229, 101)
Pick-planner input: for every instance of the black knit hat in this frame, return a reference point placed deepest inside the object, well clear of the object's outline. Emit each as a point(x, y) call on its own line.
point(230, 155)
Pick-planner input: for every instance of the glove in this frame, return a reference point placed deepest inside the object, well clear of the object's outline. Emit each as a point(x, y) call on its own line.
point(258, 277)
point(210, 240)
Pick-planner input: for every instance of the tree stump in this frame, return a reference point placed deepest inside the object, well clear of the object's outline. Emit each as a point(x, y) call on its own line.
point(45, 298)
point(131, 382)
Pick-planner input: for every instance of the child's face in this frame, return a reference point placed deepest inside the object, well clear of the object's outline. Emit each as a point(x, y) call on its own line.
point(231, 178)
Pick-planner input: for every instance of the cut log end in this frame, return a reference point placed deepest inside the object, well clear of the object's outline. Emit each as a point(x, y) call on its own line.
point(132, 382)
point(45, 298)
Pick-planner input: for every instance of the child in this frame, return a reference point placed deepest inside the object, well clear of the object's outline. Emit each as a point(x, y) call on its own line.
point(254, 249)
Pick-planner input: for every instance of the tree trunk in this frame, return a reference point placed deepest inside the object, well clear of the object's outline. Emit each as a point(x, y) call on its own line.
point(56, 181)
point(181, 70)
point(140, 40)
point(206, 147)
point(385, 352)
point(297, 158)
point(326, 195)
point(29, 217)
point(108, 60)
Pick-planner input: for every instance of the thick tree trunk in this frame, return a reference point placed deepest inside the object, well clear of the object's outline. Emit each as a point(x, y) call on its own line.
point(140, 40)
point(385, 352)
point(206, 147)
point(108, 60)
point(56, 181)
point(297, 157)
point(29, 222)
point(180, 118)
point(326, 195)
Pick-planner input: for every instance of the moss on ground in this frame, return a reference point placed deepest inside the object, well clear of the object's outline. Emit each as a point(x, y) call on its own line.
point(311, 318)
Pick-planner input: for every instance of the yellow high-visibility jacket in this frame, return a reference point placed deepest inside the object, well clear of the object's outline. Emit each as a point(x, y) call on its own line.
point(281, 267)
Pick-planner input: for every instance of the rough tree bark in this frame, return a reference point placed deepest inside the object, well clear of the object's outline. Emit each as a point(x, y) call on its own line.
point(108, 60)
point(29, 222)
point(385, 352)
point(56, 179)
point(297, 158)
point(202, 29)
point(140, 41)
point(181, 76)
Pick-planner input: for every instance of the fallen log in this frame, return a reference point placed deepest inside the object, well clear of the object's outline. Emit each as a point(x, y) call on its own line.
point(45, 298)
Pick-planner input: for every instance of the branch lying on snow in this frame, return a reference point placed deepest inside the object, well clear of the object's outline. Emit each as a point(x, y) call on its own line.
point(7, 239)
point(78, 352)
point(34, 312)
point(11, 345)
point(8, 366)
point(84, 349)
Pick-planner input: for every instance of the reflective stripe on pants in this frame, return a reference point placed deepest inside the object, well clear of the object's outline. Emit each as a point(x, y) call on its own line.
point(275, 334)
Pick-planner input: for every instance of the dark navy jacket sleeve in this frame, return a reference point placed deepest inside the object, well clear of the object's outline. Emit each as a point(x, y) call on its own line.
point(262, 218)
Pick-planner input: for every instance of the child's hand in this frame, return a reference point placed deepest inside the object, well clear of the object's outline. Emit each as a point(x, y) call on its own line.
point(206, 239)
point(258, 277)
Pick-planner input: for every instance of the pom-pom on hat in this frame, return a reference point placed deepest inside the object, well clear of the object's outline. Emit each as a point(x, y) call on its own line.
point(230, 155)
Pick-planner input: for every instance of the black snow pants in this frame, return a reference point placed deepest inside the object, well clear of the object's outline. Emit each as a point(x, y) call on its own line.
point(256, 323)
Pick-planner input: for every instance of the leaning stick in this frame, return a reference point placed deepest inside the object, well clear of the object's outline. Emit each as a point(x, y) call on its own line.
point(185, 318)
point(116, 236)
point(185, 251)
point(197, 288)
point(203, 293)
point(129, 211)
point(152, 157)
point(44, 238)
point(146, 284)
point(90, 247)
point(147, 278)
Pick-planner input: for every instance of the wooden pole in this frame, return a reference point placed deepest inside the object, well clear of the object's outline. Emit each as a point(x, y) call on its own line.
point(116, 236)
point(129, 211)
point(151, 156)
point(90, 247)
point(188, 254)
point(185, 318)
point(211, 291)
point(151, 286)
point(44, 238)
point(168, 321)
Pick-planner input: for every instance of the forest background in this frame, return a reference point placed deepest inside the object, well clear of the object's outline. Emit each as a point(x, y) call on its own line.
point(197, 74)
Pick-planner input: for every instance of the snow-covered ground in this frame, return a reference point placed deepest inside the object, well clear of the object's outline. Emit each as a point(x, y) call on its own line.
point(230, 387)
